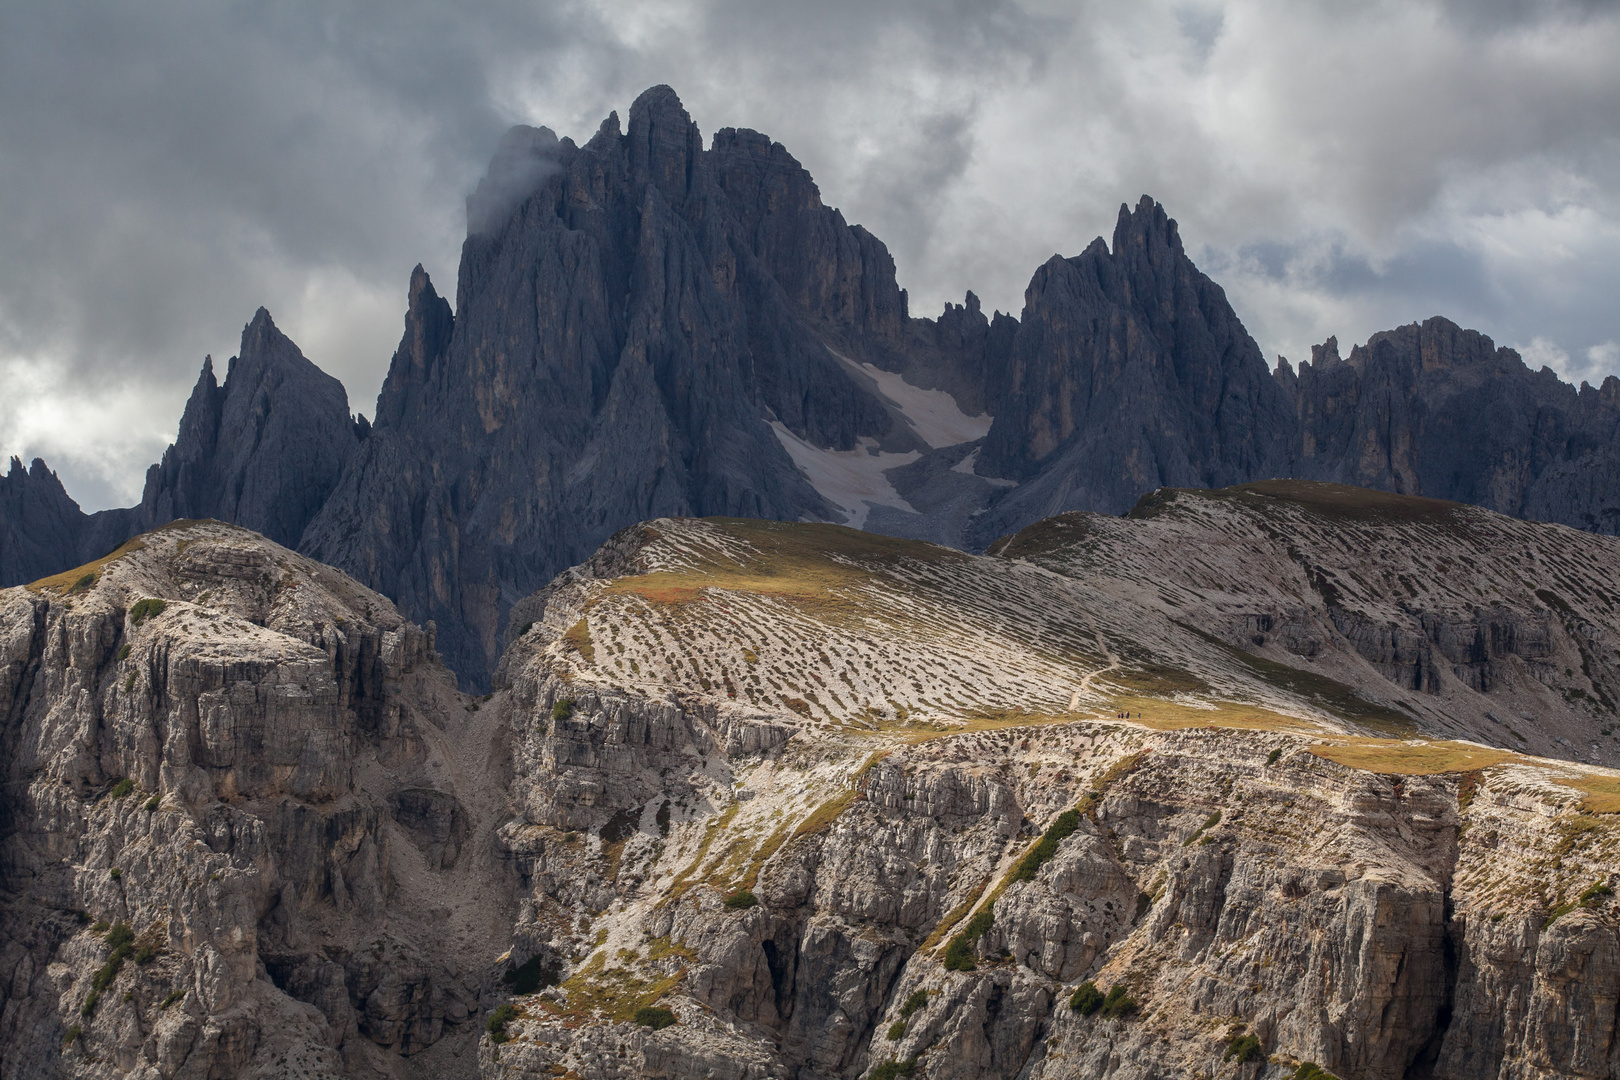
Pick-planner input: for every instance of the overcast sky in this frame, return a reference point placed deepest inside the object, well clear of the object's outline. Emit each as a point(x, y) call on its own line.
point(1340, 167)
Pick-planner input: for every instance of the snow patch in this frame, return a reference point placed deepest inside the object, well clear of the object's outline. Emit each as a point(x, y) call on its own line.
point(852, 480)
point(971, 462)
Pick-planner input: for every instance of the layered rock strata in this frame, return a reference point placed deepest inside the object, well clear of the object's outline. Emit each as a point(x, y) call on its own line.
point(241, 806)
point(853, 891)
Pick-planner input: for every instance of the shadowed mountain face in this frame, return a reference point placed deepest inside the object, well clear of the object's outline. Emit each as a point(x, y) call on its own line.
point(1439, 410)
point(263, 451)
point(645, 334)
point(644, 327)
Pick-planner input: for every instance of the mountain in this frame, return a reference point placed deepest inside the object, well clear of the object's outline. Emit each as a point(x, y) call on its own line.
point(1434, 409)
point(644, 327)
point(263, 451)
point(1128, 797)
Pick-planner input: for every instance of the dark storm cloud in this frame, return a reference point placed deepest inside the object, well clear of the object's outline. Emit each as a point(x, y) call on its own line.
point(1339, 167)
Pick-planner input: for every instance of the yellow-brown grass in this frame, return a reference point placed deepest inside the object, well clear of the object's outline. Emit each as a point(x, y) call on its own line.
point(954, 916)
point(812, 566)
point(579, 638)
point(67, 579)
point(1399, 758)
point(1169, 715)
point(1601, 793)
point(822, 817)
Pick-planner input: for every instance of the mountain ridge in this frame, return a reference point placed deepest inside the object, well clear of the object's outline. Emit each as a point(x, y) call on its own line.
point(646, 327)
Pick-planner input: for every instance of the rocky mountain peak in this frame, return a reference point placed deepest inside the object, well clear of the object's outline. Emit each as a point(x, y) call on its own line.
point(1147, 230)
point(429, 324)
point(262, 450)
point(523, 159)
point(664, 145)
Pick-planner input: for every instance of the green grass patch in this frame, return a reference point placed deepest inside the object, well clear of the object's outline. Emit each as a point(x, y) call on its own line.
point(1244, 1049)
point(1046, 847)
point(897, 1031)
point(891, 1070)
point(740, 901)
point(504, 1014)
point(124, 787)
point(562, 709)
point(1209, 823)
point(1310, 1070)
point(916, 1001)
point(1118, 1004)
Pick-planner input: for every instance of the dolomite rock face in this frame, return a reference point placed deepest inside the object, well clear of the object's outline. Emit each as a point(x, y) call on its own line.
point(822, 800)
point(1434, 409)
point(841, 888)
point(260, 771)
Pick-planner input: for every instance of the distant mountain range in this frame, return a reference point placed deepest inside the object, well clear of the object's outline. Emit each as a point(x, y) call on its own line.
point(644, 328)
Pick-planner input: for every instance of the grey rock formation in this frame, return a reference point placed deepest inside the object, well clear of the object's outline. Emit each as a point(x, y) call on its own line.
point(1437, 410)
point(786, 785)
point(1129, 371)
point(619, 346)
point(264, 451)
point(257, 769)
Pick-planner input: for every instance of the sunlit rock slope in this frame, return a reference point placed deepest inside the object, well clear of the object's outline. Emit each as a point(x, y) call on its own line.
point(842, 806)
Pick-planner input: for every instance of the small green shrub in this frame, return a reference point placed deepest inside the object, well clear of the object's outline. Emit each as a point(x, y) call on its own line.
point(917, 1000)
point(1244, 1048)
point(740, 901)
point(123, 787)
point(83, 583)
point(1209, 823)
point(90, 1003)
point(960, 953)
point(496, 1025)
point(1041, 854)
point(71, 1035)
point(116, 873)
point(889, 1070)
point(123, 654)
point(1087, 999)
point(1118, 1004)
point(1310, 1070)
point(1271, 758)
point(146, 954)
point(897, 1031)
point(173, 997)
point(563, 709)
point(119, 935)
point(654, 1017)
point(101, 927)
point(1594, 894)
point(524, 629)
point(149, 608)
point(152, 803)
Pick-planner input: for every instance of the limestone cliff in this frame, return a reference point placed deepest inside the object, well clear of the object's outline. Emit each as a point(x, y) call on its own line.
point(767, 785)
point(756, 799)
point(236, 786)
